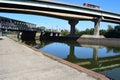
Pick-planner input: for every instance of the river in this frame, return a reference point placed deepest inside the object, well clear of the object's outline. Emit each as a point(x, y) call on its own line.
point(99, 58)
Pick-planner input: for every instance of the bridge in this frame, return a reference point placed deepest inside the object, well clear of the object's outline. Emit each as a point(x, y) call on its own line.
point(16, 25)
point(25, 30)
point(72, 13)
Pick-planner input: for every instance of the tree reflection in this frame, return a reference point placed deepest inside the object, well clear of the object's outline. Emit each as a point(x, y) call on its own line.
point(113, 49)
point(95, 62)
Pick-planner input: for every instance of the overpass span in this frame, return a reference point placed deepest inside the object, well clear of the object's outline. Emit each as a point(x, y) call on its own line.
point(72, 13)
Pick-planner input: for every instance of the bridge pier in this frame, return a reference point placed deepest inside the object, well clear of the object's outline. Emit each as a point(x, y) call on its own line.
point(97, 26)
point(28, 35)
point(0, 32)
point(73, 23)
point(58, 34)
point(54, 34)
point(96, 29)
point(19, 35)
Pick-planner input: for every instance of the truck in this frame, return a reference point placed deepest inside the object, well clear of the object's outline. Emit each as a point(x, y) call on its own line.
point(91, 6)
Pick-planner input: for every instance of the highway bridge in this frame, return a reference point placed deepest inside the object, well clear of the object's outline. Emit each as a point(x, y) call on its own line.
point(72, 13)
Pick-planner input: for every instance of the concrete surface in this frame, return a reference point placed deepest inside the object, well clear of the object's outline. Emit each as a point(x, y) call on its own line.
point(18, 62)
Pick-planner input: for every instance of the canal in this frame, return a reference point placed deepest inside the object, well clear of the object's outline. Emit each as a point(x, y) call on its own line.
point(99, 58)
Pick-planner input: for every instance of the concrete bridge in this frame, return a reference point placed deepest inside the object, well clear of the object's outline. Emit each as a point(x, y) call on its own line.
point(72, 13)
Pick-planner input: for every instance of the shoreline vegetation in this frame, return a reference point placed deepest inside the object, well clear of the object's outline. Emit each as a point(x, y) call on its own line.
point(109, 41)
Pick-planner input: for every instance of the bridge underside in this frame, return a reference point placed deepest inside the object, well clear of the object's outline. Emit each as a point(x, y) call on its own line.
point(59, 15)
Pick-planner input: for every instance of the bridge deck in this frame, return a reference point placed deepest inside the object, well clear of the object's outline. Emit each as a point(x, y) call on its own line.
point(18, 62)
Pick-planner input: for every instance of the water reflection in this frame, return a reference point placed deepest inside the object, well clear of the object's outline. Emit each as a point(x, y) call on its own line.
point(95, 57)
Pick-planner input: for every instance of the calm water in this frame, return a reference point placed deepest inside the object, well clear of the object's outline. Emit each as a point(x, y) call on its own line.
point(102, 59)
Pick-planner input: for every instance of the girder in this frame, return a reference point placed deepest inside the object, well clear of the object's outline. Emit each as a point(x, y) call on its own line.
point(57, 10)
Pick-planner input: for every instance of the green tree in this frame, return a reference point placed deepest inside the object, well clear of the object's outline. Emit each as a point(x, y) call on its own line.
point(110, 28)
point(102, 32)
point(87, 31)
point(64, 32)
point(113, 32)
point(76, 31)
point(117, 29)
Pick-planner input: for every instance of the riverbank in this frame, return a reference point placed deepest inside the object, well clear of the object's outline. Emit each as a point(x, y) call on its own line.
point(85, 40)
point(100, 41)
point(18, 62)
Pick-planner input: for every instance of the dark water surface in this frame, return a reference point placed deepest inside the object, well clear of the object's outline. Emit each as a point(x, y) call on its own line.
point(102, 59)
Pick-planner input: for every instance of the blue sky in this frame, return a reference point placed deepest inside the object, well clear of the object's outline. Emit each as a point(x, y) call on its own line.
point(53, 23)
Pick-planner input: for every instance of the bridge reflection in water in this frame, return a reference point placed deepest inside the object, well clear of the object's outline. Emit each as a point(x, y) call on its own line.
point(95, 57)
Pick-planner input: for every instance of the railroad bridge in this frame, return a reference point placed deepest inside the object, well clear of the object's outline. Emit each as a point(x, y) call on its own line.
point(26, 31)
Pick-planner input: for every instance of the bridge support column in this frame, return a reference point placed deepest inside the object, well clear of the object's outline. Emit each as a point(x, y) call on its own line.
point(96, 26)
point(19, 34)
point(96, 29)
point(73, 23)
point(58, 34)
point(54, 34)
point(28, 35)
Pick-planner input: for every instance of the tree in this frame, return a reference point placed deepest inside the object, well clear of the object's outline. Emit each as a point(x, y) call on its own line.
point(113, 32)
point(76, 31)
point(117, 29)
point(64, 32)
point(110, 28)
point(102, 32)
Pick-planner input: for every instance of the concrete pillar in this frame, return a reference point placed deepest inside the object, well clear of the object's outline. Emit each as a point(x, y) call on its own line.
point(58, 34)
point(0, 31)
point(97, 25)
point(19, 35)
point(54, 34)
point(73, 23)
point(28, 35)
point(42, 33)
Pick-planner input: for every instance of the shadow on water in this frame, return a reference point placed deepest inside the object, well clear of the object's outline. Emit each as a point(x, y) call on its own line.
point(99, 58)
